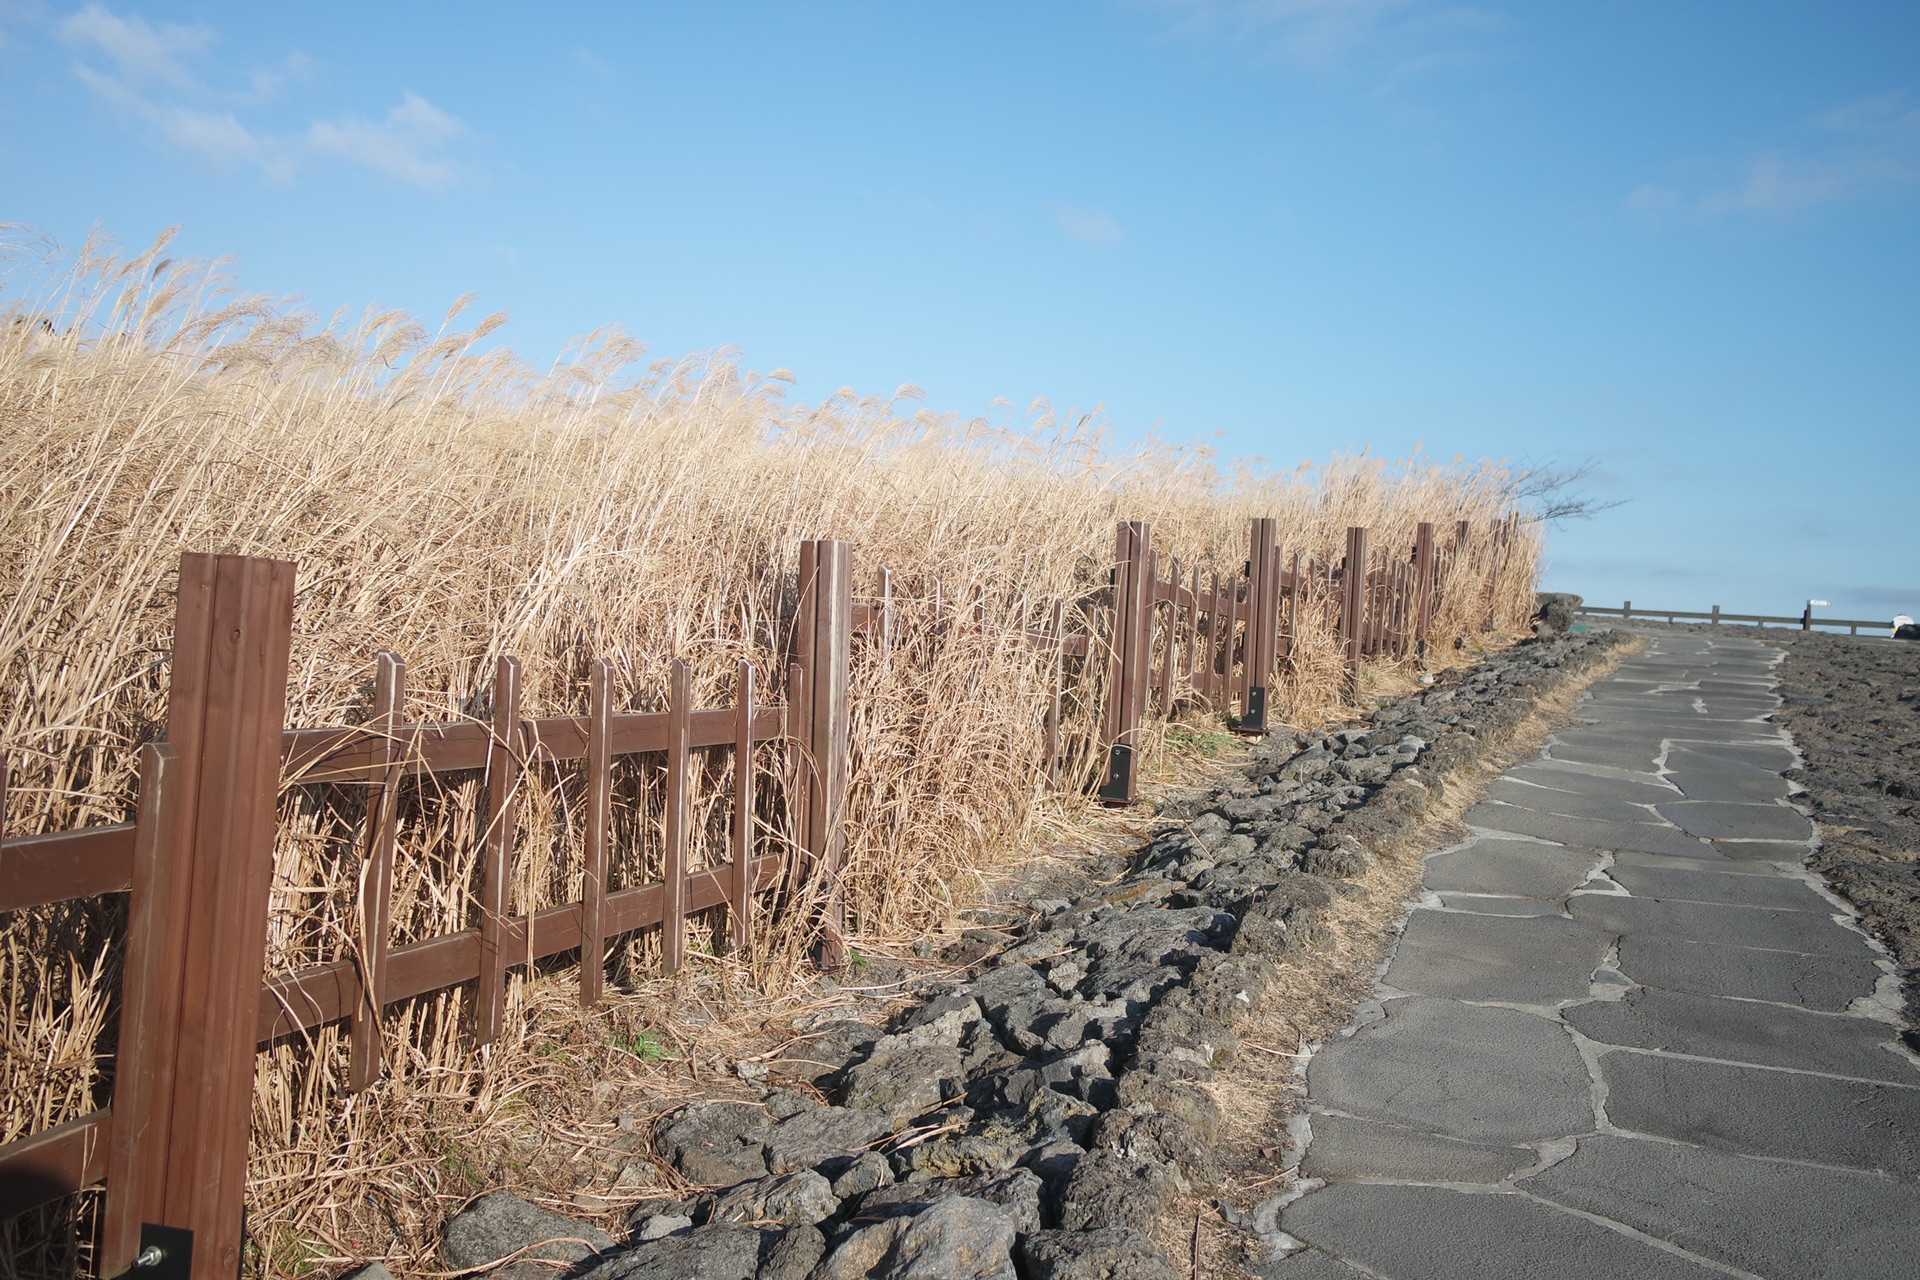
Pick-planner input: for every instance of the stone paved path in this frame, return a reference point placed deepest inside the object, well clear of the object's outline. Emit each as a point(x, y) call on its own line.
point(1624, 1033)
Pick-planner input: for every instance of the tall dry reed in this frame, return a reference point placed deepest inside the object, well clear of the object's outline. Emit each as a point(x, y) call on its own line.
point(448, 503)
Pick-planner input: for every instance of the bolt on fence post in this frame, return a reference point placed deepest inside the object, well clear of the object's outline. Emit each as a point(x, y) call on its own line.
point(197, 923)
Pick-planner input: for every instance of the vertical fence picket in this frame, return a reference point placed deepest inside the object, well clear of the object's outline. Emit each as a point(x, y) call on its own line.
point(1353, 601)
point(825, 629)
point(740, 891)
point(1423, 561)
point(673, 879)
point(1056, 629)
point(376, 881)
point(503, 803)
point(197, 932)
point(599, 821)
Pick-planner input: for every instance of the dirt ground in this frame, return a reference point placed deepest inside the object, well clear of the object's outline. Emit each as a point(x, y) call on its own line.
point(1853, 707)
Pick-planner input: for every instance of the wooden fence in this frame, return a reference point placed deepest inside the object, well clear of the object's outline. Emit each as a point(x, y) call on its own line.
point(1714, 617)
point(197, 861)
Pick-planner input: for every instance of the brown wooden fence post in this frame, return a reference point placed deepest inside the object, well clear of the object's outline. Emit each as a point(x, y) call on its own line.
point(824, 643)
point(504, 752)
point(1127, 659)
point(1423, 568)
point(1353, 602)
point(740, 893)
point(599, 819)
point(376, 884)
point(673, 875)
point(1263, 621)
point(197, 925)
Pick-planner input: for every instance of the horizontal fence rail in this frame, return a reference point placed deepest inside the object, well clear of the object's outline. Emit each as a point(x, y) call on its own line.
point(1806, 620)
point(1159, 639)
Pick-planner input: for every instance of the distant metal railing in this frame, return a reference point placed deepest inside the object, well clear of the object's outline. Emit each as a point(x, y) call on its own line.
point(1805, 621)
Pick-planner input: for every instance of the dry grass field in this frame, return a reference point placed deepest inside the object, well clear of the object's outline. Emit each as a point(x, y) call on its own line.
point(447, 502)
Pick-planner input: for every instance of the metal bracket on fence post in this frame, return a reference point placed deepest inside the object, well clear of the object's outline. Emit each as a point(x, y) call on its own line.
point(166, 1253)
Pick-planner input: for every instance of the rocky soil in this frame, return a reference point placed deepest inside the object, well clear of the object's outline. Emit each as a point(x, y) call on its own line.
point(1853, 707)
point(1036, 1114)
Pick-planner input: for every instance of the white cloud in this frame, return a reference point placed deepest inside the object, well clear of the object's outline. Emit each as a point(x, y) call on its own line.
point(150, 79)
point(144, 53)
point(1088, 226)
point(407, 146)
point(1854, 151)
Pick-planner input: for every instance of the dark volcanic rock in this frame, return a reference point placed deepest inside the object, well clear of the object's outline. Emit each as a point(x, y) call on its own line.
point(499, 1225)
point(1104, 1253)
point(716, 1144)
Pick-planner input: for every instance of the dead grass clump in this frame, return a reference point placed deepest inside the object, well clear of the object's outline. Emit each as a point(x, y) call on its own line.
point(446, 502)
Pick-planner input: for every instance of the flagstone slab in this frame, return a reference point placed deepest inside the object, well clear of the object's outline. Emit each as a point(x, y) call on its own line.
point(1583, 832)
point(1433, 1233)
point(1571, 804)
point(1485, 1074)
point(1308, 1264)
point(1493, 865)
point(1766, 757)
point(1745, 973)
point(1347, 1147)
point(1723, 821)
point(1758, 1112)
point(1772, 851)
point(1483, 904)
point(1745, 1031)
point(1764, 927)
point(1767, 1218)
point(1518, 959)
point(1646, 788)
point(1683, 884)
point(1746, 787)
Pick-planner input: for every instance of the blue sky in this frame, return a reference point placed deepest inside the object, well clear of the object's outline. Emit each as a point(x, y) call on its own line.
point(1676, 238)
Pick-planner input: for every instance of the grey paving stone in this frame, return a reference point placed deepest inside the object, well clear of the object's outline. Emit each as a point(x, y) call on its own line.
point(1344, 1147)
point(1429, 1233)
point(1488, 1075)
point(1582, 832)
point(1592, 745)
point(1308, 1264)
point(1761, 851)
point(1786, 977)
point(1644, 789)
point(1754, 1111)
point(1711, 862)
point(1771, 1219)
point(1718, 820)
point(1492, 865)
point(1684, 884)
point(1520, 959)
point(1488, 905)
point(1720, 784)
point(1762, 927)
point(1767, 757)
point(1744, 1031)
point(1529, 795)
